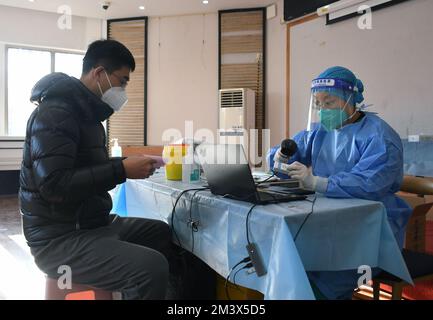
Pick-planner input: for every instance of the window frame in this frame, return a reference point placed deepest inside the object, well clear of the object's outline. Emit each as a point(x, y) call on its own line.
point(52, 52)
point(146, 65)
point(264, 62)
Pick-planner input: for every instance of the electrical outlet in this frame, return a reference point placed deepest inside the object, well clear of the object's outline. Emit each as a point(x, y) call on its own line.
point(271, 11)
point(413, 138)
point(419, 138)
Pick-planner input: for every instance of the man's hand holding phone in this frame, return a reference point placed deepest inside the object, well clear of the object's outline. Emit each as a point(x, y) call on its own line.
point(139, 167)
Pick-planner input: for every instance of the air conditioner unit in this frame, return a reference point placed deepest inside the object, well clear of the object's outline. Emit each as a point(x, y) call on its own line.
point(346, 7)
point(237, 109)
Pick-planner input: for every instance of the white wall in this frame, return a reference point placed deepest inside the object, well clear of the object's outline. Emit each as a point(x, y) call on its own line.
point(182, 74)
point(40, 29)
point(2, 90)
point(276, 76)
point(394, 60)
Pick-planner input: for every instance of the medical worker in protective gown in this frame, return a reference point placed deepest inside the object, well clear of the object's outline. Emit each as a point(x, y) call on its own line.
point(346, 152)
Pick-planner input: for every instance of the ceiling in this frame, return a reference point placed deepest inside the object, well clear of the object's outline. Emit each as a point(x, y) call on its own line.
point(130, 8)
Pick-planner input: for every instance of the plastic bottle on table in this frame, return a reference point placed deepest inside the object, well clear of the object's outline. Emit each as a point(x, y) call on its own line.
point(116, 150)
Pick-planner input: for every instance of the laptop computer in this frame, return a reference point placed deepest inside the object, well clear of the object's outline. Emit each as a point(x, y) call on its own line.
point(228, 174)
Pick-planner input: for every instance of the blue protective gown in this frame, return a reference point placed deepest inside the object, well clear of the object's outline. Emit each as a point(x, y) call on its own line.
point(361, 160)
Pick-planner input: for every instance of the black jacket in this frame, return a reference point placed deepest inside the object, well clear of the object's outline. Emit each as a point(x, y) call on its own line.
point(66, 171)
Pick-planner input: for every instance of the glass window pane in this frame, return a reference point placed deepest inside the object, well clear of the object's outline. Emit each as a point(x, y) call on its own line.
point(69, 63)
point(25, 68)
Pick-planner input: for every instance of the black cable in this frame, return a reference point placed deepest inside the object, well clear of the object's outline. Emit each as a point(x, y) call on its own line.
point(246, 259)
point(249, 211)
point(193, 227)
point(248, 214)
point(174, 211)
point(247, 266)
point(247, 224)
point(306, 218)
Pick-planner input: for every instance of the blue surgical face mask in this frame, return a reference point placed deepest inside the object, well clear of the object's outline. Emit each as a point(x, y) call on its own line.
point(332, 118)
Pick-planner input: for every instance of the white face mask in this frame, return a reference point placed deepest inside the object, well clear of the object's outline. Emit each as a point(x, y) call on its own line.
point(115, 97)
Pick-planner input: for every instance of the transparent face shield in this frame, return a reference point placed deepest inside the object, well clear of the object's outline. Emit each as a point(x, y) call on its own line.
point(331, 104)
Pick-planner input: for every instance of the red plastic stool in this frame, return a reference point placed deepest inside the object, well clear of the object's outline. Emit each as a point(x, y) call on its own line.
point(77, 292)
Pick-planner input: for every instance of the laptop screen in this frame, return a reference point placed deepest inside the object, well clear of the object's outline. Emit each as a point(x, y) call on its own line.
point(227, 170)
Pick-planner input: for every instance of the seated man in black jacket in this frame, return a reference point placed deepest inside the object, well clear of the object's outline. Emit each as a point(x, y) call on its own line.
point(66, 175)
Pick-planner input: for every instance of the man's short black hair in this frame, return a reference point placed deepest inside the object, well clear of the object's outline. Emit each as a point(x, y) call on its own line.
point(110, 54)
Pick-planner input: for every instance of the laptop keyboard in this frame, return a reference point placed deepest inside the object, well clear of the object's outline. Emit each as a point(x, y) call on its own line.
point(266, 196)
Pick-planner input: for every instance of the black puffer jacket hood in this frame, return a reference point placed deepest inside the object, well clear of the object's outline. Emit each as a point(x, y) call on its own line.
point(60, 85)
point(66, 172)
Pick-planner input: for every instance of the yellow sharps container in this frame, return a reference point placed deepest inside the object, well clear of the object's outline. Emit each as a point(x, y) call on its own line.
point(173, 155)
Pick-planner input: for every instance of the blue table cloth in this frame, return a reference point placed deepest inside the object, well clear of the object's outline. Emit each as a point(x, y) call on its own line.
point(340, 234)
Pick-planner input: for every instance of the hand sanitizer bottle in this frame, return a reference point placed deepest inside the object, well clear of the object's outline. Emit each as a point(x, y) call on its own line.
point(116, 150)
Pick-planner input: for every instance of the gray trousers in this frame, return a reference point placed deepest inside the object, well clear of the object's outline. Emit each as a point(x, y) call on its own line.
point(129, 256)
